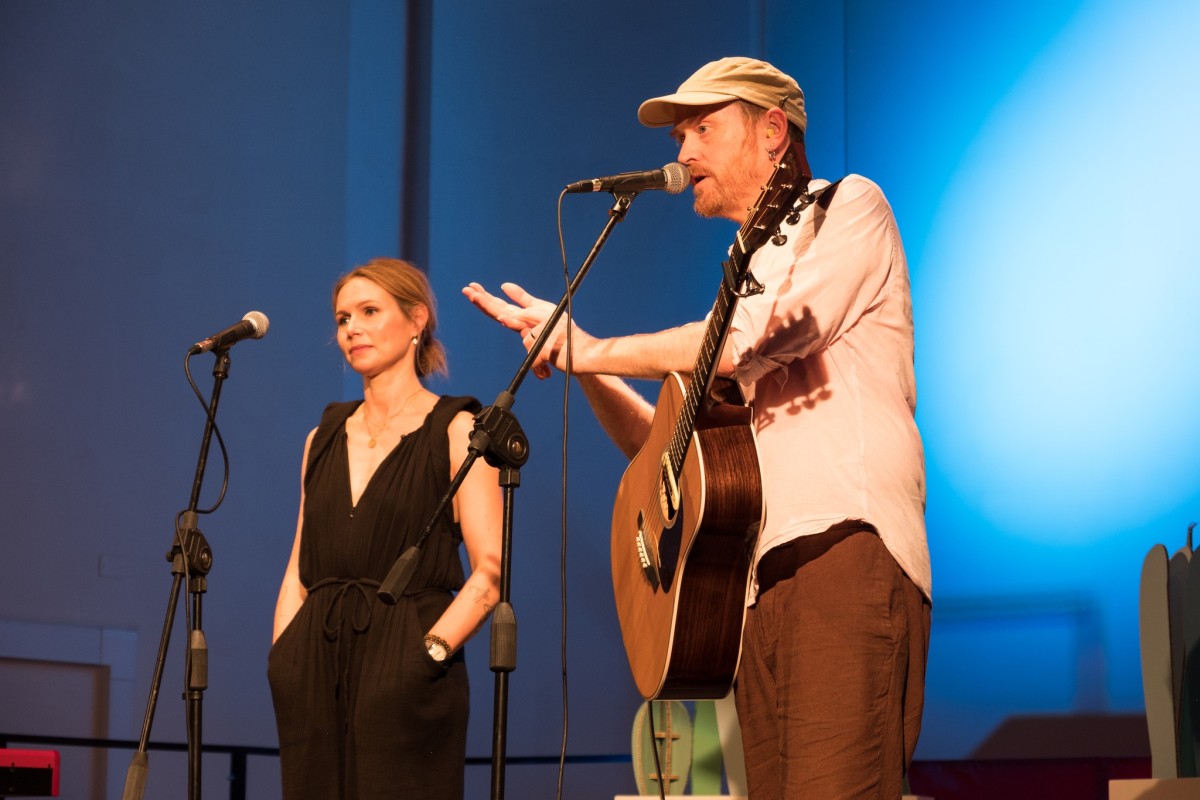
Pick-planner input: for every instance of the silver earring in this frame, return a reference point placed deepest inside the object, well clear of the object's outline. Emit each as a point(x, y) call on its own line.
point(771, 154)
point(416, 339)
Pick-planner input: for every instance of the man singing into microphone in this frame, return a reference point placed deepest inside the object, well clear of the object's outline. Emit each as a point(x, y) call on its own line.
point(831, 683)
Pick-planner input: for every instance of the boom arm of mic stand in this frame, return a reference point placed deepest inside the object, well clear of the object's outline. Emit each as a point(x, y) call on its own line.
point(497, 435)
point(499, 439)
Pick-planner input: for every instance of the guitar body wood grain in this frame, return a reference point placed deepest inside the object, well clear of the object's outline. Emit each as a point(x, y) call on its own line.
point(682, 633)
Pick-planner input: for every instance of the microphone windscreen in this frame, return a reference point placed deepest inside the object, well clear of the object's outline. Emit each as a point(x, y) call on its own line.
point(259, 322)
point(678, 177)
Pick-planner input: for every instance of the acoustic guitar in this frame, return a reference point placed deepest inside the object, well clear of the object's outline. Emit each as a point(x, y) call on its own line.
point(689, 507)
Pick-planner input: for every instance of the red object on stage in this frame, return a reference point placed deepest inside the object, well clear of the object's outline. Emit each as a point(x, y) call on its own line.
point(28, 773)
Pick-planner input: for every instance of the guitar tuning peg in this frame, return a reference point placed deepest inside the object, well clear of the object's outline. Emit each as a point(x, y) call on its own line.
point(779, 239)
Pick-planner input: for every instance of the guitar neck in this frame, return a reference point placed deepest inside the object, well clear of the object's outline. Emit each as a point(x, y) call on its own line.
point(790, 179)
point(703, 371)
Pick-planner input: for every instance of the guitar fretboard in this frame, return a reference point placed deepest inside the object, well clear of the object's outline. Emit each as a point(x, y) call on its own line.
point(715, 334)
point(774, 203)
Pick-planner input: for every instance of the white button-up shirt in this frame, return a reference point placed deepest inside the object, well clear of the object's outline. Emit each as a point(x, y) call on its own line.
point(825, 357)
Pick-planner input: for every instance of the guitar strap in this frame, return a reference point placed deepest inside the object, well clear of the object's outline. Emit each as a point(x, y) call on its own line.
point(822, 197)
point(825, 196)
point(725, 390)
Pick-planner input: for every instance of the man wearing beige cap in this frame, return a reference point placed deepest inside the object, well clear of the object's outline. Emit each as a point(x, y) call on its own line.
point(830, 686)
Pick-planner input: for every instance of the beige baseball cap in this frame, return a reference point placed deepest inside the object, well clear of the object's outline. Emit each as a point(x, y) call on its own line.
point(748, 79)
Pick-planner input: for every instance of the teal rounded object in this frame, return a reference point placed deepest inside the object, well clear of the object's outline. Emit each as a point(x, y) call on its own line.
point(673, 735)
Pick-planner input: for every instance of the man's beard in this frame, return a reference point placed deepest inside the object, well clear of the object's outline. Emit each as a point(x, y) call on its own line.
point(723, 198)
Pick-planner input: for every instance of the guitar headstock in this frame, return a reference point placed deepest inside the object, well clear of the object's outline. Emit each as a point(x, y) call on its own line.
point(775, 200)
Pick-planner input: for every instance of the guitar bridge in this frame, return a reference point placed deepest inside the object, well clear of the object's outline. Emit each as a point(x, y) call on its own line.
point(649, 568)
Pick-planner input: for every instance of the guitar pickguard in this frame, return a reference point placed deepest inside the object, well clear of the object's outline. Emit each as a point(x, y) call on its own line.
point(658, 552)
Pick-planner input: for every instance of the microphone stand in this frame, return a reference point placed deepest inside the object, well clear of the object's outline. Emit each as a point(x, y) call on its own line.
point(190, 557)
point(498, 437)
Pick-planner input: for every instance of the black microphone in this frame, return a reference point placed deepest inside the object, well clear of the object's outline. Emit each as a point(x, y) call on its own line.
point(253, 326)
point(672, 178)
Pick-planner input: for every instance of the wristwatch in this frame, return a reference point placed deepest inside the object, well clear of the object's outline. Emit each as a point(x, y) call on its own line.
point(438, 649)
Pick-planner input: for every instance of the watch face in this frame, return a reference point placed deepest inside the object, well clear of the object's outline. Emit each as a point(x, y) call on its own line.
point(437, 652)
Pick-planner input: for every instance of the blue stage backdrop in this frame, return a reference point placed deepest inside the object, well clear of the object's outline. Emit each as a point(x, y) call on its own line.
point(165, 168)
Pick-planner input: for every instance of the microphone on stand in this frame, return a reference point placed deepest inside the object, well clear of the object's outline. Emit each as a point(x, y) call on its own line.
point(672, 178)
point(253, 326)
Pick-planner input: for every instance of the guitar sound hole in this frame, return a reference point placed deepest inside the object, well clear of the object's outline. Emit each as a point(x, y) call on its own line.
point(664, 502)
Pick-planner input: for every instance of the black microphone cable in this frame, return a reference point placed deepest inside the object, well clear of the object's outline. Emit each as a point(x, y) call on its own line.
point(562, 580)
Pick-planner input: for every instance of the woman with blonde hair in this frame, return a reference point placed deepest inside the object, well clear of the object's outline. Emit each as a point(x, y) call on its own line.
point(371, 699)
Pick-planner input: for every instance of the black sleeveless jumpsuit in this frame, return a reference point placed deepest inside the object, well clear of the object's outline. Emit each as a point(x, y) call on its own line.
point(362, 711)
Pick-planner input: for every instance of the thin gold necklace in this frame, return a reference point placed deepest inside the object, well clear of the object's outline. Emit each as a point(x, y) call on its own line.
point(374, 435)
